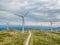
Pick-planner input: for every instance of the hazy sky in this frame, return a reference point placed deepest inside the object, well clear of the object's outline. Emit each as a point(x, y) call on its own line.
point(38, 11)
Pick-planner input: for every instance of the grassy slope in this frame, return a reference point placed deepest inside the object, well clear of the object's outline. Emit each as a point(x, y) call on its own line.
point(15, 37)
point(45, 38)
point(12, 37)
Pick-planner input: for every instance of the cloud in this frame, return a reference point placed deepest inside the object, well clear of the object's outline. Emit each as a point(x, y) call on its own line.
point(39, 10)
point(8, 16)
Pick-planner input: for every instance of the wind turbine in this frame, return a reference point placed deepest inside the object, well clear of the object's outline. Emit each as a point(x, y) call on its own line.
point(22, 16)
point(51, 23)
point(23, 21)
point(7, 23)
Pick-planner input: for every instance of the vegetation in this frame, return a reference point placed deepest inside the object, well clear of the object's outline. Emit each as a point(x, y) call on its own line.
point(40, 37)
point(12, 37)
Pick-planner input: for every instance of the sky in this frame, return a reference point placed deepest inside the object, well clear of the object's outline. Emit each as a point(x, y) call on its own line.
point(37, 12)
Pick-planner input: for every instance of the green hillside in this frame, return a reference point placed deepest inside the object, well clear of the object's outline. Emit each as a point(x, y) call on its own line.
point(12, 37)
point(45, 38)
point(39, 37)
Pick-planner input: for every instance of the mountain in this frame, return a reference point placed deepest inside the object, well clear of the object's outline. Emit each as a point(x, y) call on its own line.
point(19, 27)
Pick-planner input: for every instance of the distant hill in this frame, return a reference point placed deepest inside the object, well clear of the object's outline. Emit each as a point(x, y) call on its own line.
point(19, 27)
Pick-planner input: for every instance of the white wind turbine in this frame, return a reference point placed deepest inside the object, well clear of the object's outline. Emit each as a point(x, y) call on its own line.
point(23, 21)
point(22, 16)
point(7, 28)
point(7, 23)
point(51, 24)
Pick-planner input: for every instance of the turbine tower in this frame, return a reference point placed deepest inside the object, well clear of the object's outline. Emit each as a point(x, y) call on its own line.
point(23, 21)
point(23, 24)
point(22, 16)
point(7, 25)
point(51, 23)
point(7, 28)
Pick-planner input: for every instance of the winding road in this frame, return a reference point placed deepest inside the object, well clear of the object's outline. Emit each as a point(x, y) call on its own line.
point(28, 39)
